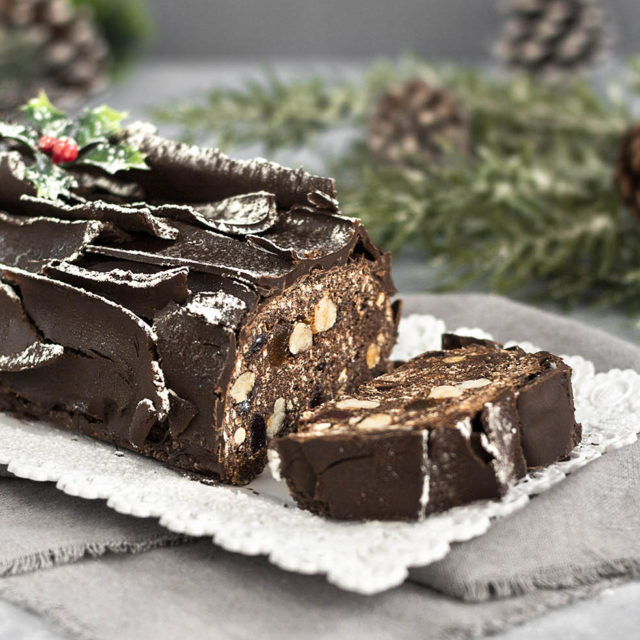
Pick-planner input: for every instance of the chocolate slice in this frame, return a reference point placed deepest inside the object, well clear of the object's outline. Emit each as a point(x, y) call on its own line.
point(442, 430)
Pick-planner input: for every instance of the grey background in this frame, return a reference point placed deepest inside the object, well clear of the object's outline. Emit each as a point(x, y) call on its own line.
point(453, 29)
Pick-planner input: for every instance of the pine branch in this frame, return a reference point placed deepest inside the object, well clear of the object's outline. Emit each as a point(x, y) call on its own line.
point(532, 209)
point(275, 113)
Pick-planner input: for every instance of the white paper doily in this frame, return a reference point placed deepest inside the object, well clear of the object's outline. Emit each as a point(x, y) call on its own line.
point(261, 518)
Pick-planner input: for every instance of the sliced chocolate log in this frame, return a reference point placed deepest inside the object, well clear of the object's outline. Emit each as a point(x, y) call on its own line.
point(195, 313)
point(442, 430)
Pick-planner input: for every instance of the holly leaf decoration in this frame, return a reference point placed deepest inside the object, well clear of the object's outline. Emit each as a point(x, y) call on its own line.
point(90, 142)
point(94, 125)
point(51, 181)
point(40, 113)
point(19, 133)
point(113, 158)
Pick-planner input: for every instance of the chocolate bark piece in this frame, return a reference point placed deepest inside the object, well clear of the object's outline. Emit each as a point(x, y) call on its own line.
point(108, 376)
point(454, 341)
point(144, 293)
point(439, 431)
point(204, 250)
point(185, 173)
point(21, 347)
point(131, 218)
point(304, 235)
point(234, 285)
point(29, 243)
point(242, 215)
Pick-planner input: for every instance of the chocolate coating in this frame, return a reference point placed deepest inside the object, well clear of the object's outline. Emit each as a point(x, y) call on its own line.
point(145, 309)
point(545, 405)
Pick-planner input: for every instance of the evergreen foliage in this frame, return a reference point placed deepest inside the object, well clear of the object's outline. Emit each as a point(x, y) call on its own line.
point(533, 209)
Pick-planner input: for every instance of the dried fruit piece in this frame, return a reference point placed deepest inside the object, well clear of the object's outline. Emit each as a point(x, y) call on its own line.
point(278, 345)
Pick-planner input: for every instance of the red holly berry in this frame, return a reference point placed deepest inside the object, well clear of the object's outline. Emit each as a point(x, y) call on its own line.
point(65, 150)
point(46, 143)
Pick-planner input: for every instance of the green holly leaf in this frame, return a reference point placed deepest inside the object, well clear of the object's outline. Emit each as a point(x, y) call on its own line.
point(92, 132)
point(44, 117)
point(113, 158)
point(51, 181)
point(97, 124)
point(19, 133)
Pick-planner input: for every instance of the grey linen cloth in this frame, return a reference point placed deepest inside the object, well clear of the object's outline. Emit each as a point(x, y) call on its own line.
point(41, 527)
point(569, 543)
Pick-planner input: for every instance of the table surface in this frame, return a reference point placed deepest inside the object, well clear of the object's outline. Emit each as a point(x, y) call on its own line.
point(614, 612)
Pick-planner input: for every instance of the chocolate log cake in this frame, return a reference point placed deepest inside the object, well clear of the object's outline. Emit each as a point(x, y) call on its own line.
point(190, 312)
point(444, 429)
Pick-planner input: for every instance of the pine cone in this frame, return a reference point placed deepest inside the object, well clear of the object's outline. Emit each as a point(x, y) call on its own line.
point(416, 120)
point(627, 174)
point(552, 36)
point(50, 45)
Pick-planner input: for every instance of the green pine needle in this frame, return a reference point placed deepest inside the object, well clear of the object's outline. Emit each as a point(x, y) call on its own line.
point(532, 210)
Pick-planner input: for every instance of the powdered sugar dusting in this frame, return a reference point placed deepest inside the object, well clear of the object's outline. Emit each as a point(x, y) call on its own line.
point(35, 355)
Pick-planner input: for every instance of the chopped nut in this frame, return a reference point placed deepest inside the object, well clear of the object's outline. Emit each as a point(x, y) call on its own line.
point(373, 355)
point(324, 315)
point(343, 376)
point(376, 421)
point(355, 420)
point(243, 386)
point(380, 300)
point(453, 359)
point(473, 384)
point(353, 403)
point(301, 338)
point(445, 391)
point(240, 436)
point(322, 426)
point(274, 423)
